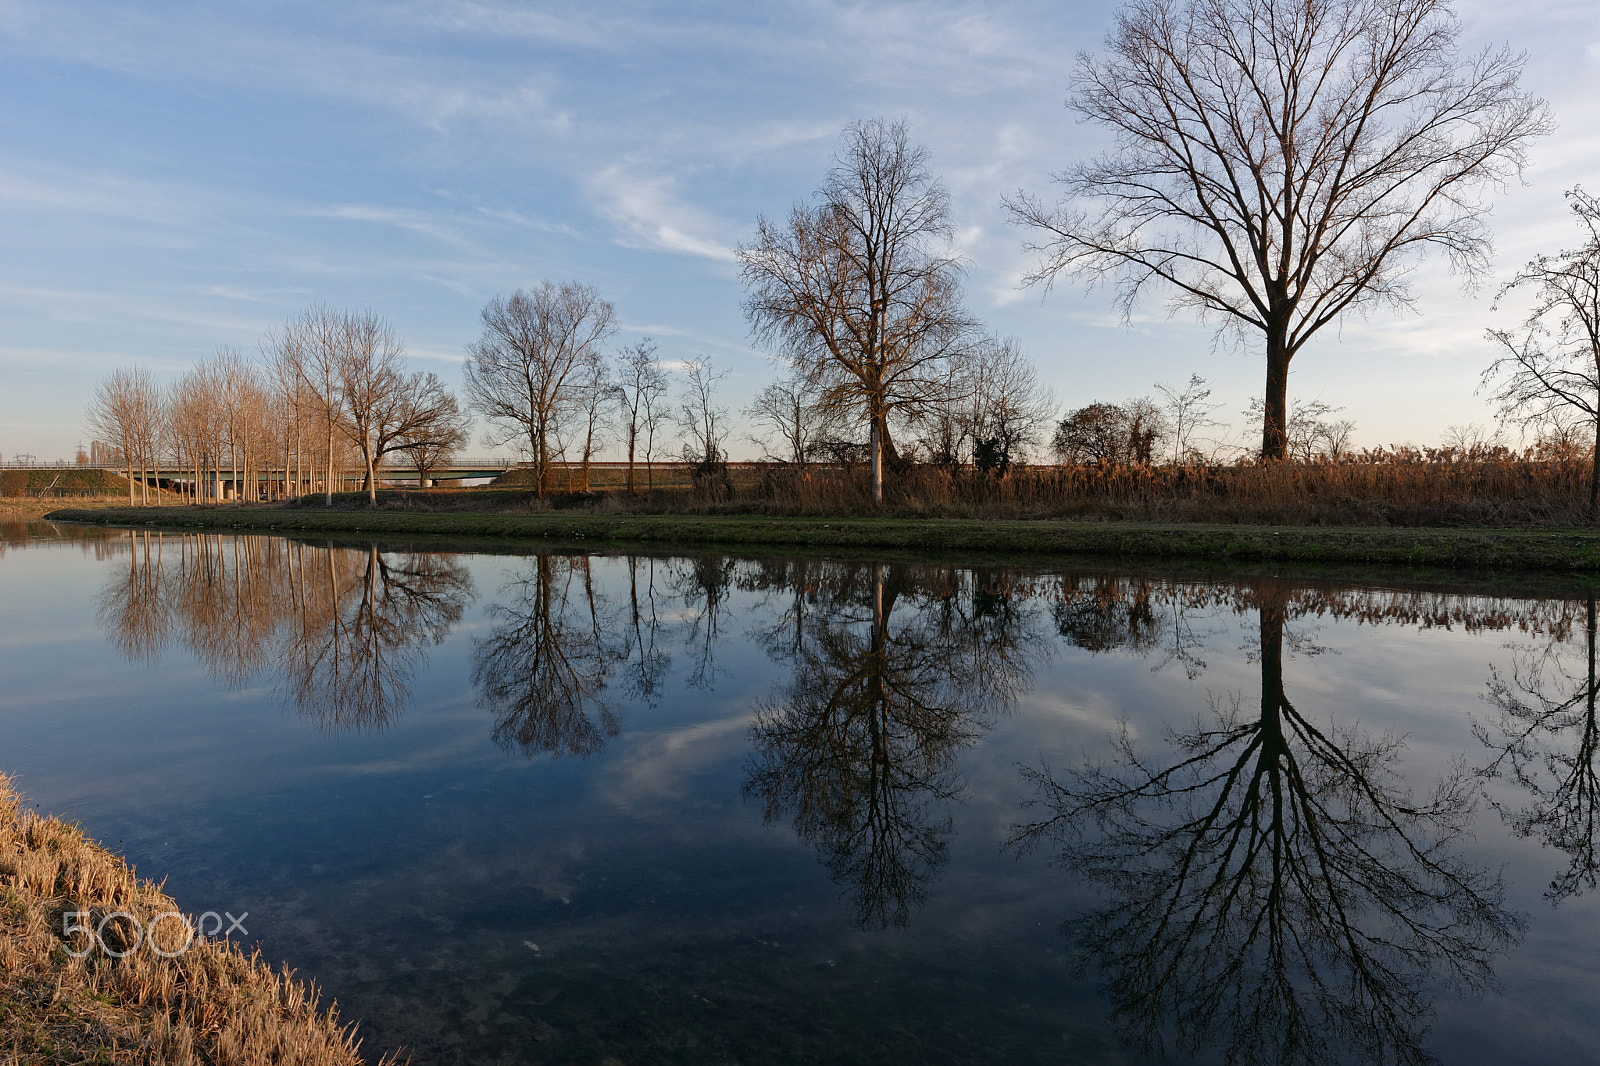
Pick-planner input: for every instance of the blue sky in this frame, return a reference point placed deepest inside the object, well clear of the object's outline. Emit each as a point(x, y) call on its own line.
point(179, 176)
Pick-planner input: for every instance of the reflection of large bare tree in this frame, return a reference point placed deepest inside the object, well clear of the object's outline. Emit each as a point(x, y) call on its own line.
point(1273, 888)
point(543, 669)
point(359, 634)
point(859, 747)
point(1547, 738)
point(341, 629)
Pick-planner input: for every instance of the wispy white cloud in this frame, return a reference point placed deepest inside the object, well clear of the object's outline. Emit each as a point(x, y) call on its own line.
point(650, 213)
point(409, 220)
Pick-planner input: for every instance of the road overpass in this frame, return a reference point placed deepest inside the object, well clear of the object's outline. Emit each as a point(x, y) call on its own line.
point(220, 484)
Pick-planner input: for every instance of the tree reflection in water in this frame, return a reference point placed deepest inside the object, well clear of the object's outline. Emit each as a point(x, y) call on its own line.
point(543, 669)
point(355, 651)
point(1273, 888)
point(1546, 736)
point(859, 746)
point(342, 630)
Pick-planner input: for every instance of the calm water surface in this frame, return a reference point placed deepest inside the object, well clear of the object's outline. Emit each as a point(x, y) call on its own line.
point(598, 807)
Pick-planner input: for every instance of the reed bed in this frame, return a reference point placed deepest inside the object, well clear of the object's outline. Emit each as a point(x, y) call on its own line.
point(1399, 487)
point(1386, 487)
point(208, 1004)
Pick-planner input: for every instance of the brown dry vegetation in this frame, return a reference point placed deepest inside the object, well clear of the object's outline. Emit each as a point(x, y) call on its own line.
point(211, 1004)
point(1383, 487)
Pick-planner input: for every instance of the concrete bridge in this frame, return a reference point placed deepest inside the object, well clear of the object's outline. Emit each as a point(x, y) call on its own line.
point(219, 484)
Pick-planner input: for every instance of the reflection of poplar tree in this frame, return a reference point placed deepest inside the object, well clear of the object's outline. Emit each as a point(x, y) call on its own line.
point(647, 665)
point(543, 668)
point(1273, 886)
point(135, 610)
point(1548, 737)
point(342, 630)
point(859, 748)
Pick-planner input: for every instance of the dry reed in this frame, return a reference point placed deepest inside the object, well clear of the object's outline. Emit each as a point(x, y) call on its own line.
point(209, 1004)
point(1384, 487)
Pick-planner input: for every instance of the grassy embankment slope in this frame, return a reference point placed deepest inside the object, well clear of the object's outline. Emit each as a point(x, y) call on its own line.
point(1550, 550)
point(28, 494)
point(208, 1004)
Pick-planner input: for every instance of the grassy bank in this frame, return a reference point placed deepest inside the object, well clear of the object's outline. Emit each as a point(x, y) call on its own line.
point(1566, 551)
point(207, 1004)
point(24, 508)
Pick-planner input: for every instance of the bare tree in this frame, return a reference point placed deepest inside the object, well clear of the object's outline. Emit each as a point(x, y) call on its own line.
point(284, 357)
point(231, 387)
point(1552, 363)
point(1008, 406)
point(1471, 437)
point(522, 372)
point(126, 412)
point(188, 418)
point(640, 390)
point(859, 289)
point(414, 410)
point(1310, 433)
point(318, 338)
point(1280, 162)
point(429, 425)
point(795, 426)
point(703, 421)
point(1187, 412)
point(370, 386)
point(595, 391)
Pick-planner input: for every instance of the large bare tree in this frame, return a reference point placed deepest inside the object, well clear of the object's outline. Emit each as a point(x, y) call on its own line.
point(427, 425)
point(859, 290)
point(1551, 365)
point(523, 372)
point(1278, 163)
point(372, 384)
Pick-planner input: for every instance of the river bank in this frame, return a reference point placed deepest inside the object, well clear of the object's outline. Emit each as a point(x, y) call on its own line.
point(1546, 550)
point(194, 1000)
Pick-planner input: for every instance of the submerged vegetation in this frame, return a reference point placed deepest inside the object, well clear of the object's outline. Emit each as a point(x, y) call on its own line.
point(207, 1003)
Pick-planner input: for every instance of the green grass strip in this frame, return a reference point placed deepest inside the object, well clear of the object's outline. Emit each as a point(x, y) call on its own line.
point(1570, 551)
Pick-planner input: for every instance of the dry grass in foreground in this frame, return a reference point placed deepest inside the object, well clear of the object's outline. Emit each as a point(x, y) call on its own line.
point(209, 1004)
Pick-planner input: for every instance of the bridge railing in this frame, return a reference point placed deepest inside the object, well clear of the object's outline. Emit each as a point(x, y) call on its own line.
point(30, 463)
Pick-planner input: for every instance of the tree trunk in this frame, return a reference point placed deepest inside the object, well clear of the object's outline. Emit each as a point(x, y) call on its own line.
point(632, 434)
point(877, 463)
point(327, 486)
point(1274, 746)
point(1275, 406)
point(1594, 475)
point(541, 457)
